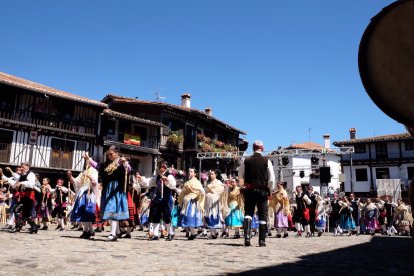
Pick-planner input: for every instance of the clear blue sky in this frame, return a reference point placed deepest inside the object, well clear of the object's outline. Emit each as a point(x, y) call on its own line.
point(271, 68)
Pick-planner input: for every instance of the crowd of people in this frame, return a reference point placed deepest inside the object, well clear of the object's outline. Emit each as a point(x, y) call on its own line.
point(112, 195)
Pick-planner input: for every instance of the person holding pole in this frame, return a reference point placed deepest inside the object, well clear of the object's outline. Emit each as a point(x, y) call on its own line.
point(85, 200)
point(160, 207)
point(114, 203)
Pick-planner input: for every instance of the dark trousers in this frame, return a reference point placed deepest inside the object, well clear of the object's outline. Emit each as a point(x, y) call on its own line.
point(259, 198)
point(25, 212)
point(158, 210)
point(58, 211)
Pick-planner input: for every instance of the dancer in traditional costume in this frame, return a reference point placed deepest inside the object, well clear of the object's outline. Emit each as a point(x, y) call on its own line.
point(98, 224)
point(25, 186)
point(257, 178)
point(334, 216)
point(347, 221)
point(320, 214)
point(191, 202)
point(45, 204)
point(371, 213)
point(403, 218)
point(281, 206)
point(84, 206)
point(164, 183)
point(234, 210)
point(312, 209)
point(128, 225)
point(389, 214)
point(213, 207)
point(15, 195)
point(356, 212)
point(301, 215)
point(58, 212)
point(114, 202)
point(379, 202)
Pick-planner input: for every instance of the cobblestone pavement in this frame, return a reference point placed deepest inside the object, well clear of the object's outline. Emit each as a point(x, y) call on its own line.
point(63, 253)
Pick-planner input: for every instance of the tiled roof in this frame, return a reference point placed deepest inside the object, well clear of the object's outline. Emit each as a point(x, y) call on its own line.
point(306, 145)
point(383, 138)
point(120, 99)
point(117, 114)
point(40, 88)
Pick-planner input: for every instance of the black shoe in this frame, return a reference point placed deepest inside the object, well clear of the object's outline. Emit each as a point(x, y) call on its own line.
point(262, 234)
point(44, 228)
point(320, 234)
point(278, 236)
point(84, 234)
point(192, 237)
point(80, 229)
point(73, 227)
point(269, 234)
point(285, 235)
point(262, 243)
point(223, 234)
point(247, 231)
point(88, 235)
point(308, 235)
point(98, 230)
point(247, 242)
point(154, 238)
point(236, 236)
point(170, 237)
point(127, 236)
point(187, 234)
point(33, 230)
point(58, 227)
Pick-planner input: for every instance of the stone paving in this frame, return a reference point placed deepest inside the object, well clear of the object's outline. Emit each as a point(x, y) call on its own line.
point(63, 253)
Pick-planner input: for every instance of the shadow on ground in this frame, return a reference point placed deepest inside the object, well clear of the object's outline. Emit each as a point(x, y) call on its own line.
point(380, 256)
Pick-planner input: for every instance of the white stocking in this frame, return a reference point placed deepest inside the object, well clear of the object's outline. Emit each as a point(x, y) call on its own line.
point(114, 227)
point(156, 229)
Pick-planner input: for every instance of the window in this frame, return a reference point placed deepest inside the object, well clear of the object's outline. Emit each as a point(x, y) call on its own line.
point(190, 136)
point(140, 131)
point(410, 172)
point(382, 173)
point(360, 148)
point(6, 138)
point(381, 150)
point(62, 153)
point(409, 145)
point(361, 175)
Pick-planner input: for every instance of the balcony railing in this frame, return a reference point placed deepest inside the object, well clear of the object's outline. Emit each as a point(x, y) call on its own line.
point(150, 142)
point(393, 155)
point(165, 144)
point(5, 152)
point(59, 121)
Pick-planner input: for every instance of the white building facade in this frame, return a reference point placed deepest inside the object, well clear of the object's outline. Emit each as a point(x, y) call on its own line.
point(300, 165)
point(380, 157)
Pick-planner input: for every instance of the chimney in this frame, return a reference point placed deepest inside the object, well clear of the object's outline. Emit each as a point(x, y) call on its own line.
point(352, 133)
point(186, 100)
point(208, 111)
point(327, 141)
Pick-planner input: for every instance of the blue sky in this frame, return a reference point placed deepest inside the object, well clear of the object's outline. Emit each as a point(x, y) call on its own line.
point(274, 69)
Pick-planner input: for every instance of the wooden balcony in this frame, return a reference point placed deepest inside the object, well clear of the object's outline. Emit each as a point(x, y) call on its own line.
point(58, 121)
point(166, 144)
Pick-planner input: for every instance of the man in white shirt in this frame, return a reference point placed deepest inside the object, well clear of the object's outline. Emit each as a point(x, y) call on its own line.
point(25, 186)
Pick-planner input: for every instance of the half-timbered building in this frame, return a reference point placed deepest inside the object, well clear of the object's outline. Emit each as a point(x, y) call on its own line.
point(47, 127)
point(185, 132)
